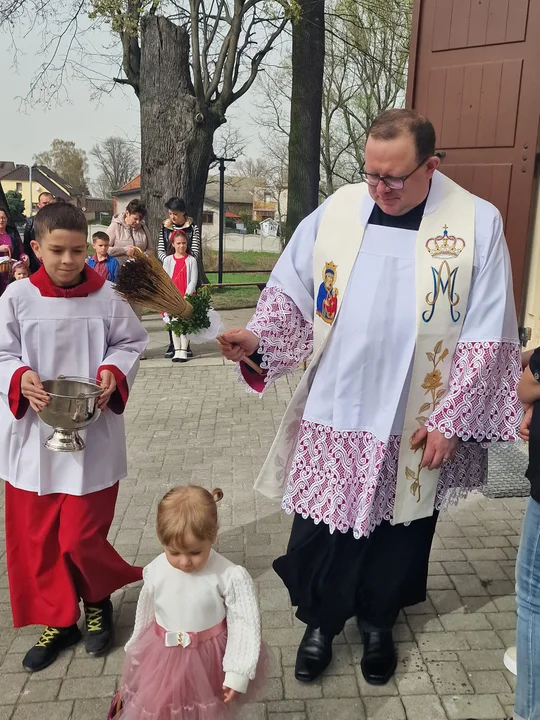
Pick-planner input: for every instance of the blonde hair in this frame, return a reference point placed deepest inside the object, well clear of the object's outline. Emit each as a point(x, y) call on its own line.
point(187, 510)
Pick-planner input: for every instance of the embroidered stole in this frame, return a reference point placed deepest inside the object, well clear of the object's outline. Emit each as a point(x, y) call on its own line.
point(443, 271)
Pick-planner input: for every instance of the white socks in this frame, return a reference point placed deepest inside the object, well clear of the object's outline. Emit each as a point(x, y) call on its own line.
point(180, 343)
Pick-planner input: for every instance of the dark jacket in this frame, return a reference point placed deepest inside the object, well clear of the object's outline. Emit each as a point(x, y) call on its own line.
point(30, 235)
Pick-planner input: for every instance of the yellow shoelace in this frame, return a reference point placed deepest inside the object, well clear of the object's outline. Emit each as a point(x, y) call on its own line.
point(47, 637)
point(94, 617)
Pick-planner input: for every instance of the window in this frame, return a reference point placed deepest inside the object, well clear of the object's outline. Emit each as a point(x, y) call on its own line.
point(18, 187)
point(208, 218)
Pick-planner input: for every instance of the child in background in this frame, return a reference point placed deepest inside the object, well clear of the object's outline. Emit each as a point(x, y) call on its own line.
point(197, 640)
point(65, 320)
point(104, 264)
point(182, 269)
point(20, 270)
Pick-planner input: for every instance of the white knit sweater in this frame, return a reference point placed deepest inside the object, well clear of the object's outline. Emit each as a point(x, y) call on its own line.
point(193, 602)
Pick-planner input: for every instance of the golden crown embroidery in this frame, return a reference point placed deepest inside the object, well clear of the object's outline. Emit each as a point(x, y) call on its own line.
point(445, 247)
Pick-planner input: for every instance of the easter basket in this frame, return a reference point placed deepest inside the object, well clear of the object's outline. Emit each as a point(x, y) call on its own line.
point(6, 265)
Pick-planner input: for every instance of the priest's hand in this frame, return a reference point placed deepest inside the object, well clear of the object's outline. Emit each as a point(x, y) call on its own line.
point(438, 448)
point(108, 386)
point(229, 694)
point(32, 390)
point(237, 344)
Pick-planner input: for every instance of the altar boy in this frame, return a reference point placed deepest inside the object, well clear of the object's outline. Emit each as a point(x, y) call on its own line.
point(64, 320)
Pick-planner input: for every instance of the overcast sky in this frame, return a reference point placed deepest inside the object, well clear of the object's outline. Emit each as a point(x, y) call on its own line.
point(27, 131)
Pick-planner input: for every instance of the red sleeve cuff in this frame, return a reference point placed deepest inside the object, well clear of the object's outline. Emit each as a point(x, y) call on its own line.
point(119, 398)
point(252, 378)
point(18, 404)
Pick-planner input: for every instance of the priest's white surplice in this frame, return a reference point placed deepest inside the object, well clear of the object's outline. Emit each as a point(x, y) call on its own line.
point(344, 467)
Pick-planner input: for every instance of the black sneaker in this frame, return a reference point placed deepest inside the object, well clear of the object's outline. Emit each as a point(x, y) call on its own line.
point(48, 647)
point(99, 626)
point(170, 352)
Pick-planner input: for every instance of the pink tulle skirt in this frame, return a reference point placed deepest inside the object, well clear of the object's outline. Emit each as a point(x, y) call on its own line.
point(176, 683)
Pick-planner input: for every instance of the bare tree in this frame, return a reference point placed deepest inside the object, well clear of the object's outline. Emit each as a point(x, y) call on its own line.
point(252, 168)
point(187, 61)
point(365, 73)
point(117, 161)
point(307, 55)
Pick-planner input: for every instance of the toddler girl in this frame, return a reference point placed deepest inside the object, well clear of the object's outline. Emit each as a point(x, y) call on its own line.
point(182, 269)
point(20, 269)
point(197, 640)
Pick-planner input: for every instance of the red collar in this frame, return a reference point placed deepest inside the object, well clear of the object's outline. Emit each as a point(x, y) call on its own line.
point(91, 283)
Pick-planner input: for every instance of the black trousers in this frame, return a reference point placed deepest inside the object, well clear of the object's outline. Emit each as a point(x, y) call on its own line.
point(333, 577)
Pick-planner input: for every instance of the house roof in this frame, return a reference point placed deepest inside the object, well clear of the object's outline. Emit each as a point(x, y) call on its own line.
point(56, 179)
point(236, 189)
point(20, 173)
point(130, 187)
point(95, 205)
point(6, 166)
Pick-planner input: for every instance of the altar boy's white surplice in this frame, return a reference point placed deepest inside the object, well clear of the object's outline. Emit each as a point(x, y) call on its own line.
point(344, 467)
point(64, 336)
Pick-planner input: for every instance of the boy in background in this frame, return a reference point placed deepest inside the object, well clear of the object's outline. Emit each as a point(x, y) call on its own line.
point(105, 265)
point(66, 320)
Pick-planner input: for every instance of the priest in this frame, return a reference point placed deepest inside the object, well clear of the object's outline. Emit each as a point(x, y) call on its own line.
point(400, 287)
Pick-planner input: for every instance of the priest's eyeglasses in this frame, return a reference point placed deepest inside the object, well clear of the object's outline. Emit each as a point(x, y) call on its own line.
point(394, 183)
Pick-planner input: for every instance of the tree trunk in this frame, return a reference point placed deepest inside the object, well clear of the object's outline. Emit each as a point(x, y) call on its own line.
point(306, 111)
point(176, 134)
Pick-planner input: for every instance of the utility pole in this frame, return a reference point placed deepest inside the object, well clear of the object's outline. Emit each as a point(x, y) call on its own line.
point(222, 162)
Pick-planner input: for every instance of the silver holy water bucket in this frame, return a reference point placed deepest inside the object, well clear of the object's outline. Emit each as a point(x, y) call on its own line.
point(72, 407)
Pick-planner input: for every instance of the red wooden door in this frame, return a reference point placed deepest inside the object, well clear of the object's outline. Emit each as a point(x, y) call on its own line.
point(475, 73)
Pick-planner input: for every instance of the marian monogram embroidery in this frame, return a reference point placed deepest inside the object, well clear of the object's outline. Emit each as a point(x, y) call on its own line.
point(328, 294)
point(433, 385)
point(444, 247)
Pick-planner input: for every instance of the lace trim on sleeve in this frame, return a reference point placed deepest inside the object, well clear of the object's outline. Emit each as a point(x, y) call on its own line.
point(482, 402)
point(286, 337)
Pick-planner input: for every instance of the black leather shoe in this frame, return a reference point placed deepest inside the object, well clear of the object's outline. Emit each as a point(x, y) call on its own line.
point(99, 627)
point(49, 646)
point(379, 660)
point(314, 655)
point(170, 352)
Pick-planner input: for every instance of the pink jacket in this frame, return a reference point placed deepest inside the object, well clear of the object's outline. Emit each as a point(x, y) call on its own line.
point(122, 236)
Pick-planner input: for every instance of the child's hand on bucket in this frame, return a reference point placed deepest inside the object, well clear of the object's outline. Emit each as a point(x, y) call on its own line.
point(32, 390)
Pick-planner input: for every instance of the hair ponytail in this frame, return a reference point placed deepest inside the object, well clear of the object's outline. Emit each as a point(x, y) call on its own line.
point(217, 494)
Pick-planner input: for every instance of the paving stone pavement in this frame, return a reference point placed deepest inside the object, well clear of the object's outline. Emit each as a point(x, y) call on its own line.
point(196, 424)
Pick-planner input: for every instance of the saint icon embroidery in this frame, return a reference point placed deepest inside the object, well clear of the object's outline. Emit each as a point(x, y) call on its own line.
point(444, 247)
point(328, 293)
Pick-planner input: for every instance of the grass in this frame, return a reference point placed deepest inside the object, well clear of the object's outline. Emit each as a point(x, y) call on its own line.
point(238, 297)
point(240, 261)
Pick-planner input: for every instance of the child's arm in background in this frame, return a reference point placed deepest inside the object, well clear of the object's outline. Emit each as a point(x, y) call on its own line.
point(168, 265)
point(529, 385)
point(115, 267)
point(193, 276)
